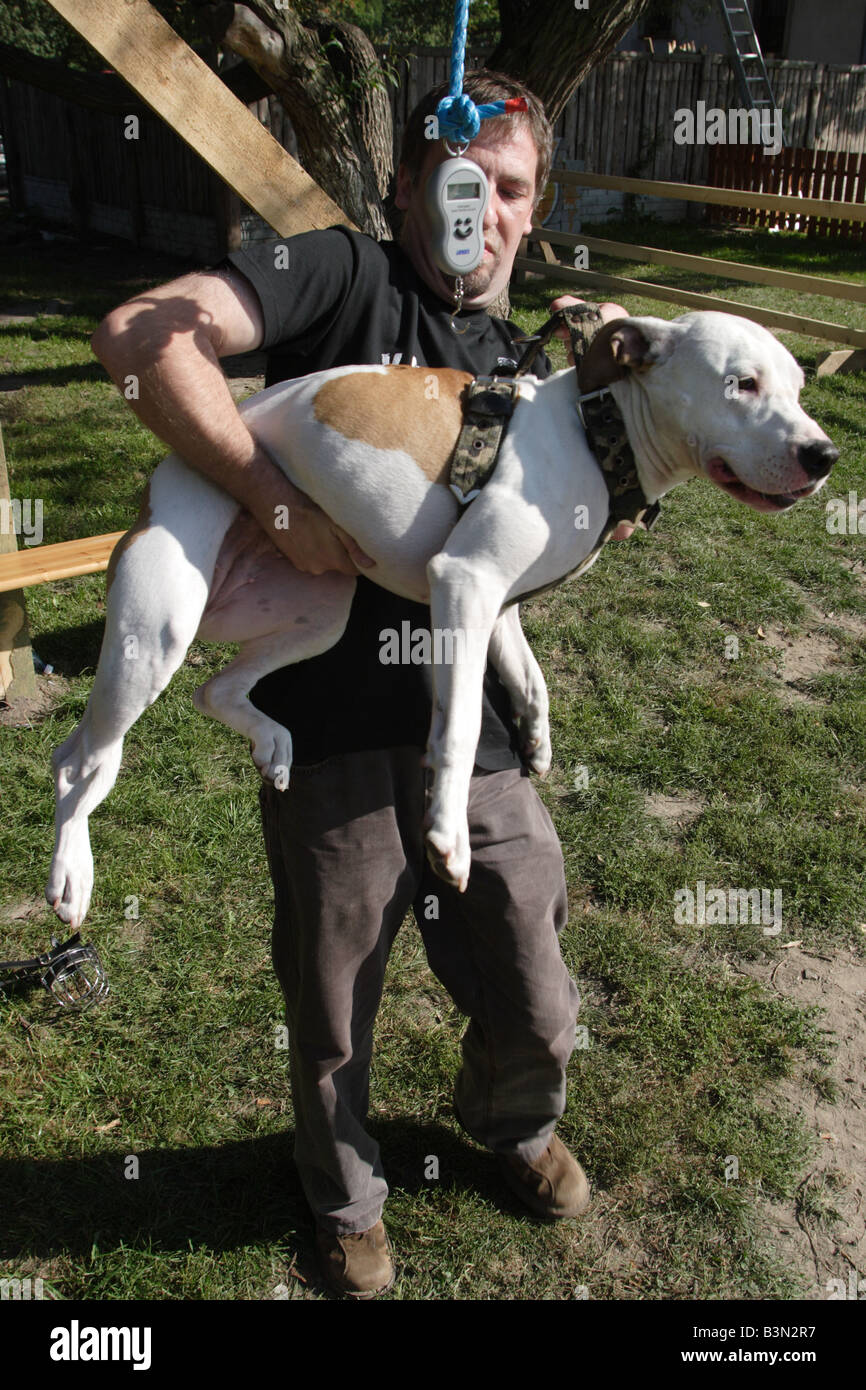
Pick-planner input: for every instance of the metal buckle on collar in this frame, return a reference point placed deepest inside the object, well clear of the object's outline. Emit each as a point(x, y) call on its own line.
point(464, 498)
point(590, 396)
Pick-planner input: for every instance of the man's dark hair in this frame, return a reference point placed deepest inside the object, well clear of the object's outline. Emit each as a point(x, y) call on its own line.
point(482, 86)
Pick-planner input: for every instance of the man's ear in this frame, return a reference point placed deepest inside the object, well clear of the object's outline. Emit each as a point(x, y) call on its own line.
point(403, 191)
point(621, 346)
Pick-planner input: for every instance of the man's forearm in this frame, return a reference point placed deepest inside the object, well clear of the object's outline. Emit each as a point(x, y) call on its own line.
point(183, 397)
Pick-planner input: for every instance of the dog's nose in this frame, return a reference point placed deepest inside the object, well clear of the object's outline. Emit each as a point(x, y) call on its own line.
point(817, 457)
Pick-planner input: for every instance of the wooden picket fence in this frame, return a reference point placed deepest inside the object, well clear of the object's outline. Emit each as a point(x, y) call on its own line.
point(830, 175)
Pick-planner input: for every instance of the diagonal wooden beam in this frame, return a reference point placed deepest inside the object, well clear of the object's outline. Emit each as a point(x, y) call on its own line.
point(163, 70)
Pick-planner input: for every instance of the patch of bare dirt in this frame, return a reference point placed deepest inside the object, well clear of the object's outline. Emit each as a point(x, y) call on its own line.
point(798, 659)
point(24, 714)
point(26, 910)
point(823, 1232)
point(243, 386)
point(676, 810)
point(850, 623)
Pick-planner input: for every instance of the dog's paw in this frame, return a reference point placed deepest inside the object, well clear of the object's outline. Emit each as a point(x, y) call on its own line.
point(272, 756)
point(449, 857)
point(535, 749)
point(69, 886)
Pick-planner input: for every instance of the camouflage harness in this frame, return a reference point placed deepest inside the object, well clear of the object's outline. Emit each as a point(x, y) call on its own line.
point(488, 404)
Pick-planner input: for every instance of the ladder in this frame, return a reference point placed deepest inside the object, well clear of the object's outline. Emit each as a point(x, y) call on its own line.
point(752, 77)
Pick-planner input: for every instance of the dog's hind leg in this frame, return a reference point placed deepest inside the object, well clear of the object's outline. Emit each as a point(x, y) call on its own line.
point(313, 611)
point(520, 673)
point(158, 589)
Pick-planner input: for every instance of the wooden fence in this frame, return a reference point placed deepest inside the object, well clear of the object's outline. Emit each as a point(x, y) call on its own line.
point(770, 318)
point(621, 120)
point(70, 160)
point(821, 174)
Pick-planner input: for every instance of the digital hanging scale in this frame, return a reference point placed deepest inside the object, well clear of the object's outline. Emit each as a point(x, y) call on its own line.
point(457, 197)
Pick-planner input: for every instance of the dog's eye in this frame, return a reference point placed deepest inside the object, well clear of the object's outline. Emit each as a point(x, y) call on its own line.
point(747, 383)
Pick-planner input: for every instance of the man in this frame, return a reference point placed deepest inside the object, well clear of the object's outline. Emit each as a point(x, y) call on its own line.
point(345, 840)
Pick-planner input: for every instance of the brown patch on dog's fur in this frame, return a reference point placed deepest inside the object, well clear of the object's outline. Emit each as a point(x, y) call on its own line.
point(397, 410)
point(141, 523)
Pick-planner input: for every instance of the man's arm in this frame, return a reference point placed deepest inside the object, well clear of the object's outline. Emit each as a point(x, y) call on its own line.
point(171, 339)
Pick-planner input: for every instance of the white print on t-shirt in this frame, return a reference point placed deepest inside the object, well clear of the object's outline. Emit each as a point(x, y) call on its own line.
point(392, 360)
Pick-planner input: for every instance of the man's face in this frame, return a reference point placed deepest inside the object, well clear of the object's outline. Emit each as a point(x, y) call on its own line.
point(509, 159)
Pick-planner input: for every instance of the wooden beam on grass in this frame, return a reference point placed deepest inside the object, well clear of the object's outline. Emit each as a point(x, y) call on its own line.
point(709, 265)
point(703, 193)
point(175, 83)
point(65, 560)
point(770, 318)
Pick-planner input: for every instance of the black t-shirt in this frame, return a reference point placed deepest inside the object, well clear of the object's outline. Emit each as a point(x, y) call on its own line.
point(332, 299)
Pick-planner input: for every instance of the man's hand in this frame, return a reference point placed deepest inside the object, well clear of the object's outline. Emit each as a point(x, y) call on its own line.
point(318, 544)
point(608, 312)
point(311, 540)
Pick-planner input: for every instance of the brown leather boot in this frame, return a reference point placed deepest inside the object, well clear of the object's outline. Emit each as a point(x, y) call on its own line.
point(360, 1264)
point(553, 1185)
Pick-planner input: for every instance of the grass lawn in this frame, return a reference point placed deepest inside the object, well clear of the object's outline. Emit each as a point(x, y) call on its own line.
point(741, 770)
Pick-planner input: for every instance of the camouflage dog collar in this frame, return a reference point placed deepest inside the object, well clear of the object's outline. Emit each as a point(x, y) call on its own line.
point(582, 321)
point(488, 404)
point(606, 433)
point(607, 436)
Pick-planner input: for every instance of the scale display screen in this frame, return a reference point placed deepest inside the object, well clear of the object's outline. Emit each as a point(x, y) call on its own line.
point(463, 190)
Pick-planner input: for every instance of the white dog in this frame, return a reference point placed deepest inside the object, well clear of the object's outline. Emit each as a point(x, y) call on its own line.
point(706, 395)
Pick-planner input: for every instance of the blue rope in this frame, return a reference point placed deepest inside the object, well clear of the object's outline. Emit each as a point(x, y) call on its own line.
point(458, 116)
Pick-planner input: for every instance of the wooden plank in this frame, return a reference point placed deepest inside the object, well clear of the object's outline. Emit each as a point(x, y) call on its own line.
point(544, 245)
point(134, 38)
point(771, 318)
point(65, 560)
point(707, 265)
point(703, 193)
point(860, 193)
point(17, 676)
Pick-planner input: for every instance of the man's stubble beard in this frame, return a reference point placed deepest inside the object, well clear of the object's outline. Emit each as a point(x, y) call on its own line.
point(478, 281)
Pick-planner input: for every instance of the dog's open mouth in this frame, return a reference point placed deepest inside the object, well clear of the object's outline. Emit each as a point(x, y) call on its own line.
point(719, 472)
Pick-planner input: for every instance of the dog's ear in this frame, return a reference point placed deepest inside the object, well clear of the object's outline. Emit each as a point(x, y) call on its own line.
point(618, 347)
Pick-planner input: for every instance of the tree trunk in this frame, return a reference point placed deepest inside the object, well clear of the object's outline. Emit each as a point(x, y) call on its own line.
point(552, 47)
point(331, 84)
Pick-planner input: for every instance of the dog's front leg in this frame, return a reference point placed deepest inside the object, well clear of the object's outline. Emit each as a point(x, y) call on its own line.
point(465, 600)
point(520, 673)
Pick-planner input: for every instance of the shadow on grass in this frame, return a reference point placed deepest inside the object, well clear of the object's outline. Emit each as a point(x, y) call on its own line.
point(54, 376)
point(72, 651)
point(222, 1197)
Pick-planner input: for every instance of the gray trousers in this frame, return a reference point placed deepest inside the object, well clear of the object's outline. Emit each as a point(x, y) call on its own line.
point(346, 854)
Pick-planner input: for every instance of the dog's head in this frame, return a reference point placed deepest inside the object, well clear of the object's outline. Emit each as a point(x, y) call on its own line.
point(714, 395)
